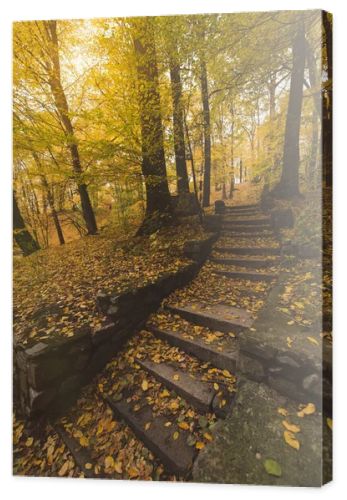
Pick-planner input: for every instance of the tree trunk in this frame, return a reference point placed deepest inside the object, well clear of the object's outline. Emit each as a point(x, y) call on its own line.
point(20, 233)
point(207, 134)
point(289, 182)
point(63, 111)
point(232, 176)
point(313, 76)
point(178, 130)
point(158, 200)
point(327, 145)
point(241, 171)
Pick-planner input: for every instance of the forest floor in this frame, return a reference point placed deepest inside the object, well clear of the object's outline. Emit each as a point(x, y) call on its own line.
point(114, 450)
point(55, 289)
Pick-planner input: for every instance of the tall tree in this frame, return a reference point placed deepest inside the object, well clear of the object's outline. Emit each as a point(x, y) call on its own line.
point(21, 234)
point(178, 126)
point(158, 200)
point(55, 83)
point(289, 182)
point(207, 132)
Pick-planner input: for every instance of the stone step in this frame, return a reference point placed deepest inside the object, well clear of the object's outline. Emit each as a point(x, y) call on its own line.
point(244, 228)
point(242, 207)
point(175, 455)
point(225, 360)
point(80, 455)
point(249, 250)
point(247, 222)
point(241, 234)
point(246, 262)
point(216, 317)
point(247, 275)
point(196, 392)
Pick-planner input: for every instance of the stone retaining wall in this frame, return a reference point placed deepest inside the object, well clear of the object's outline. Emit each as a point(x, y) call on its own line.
point(49, 374)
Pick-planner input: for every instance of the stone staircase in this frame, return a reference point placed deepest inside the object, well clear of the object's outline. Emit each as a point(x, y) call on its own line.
point(168, 439)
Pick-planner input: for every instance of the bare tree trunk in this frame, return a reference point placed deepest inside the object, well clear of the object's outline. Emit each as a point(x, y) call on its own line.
point(312, 163)
point(232, 176)
point(20, 233)
point(178, 130)
point(63, 111)
point(207, 134)
point(289, 182)
point(158, 199)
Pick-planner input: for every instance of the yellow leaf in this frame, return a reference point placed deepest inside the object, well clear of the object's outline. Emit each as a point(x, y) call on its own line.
point(330, 423)
point(147, 426)
point(291, 322)
point(133, 472)
point(167, 424)
point(307, 410)
point(226, 373)
point(118, 467)
point(216, 386)
point(290, 427)
point(164, 394)
point(199, 445)
point(289, 342)
point(183, 425)
point(313, 340)
point(64, 468)
point(84, 441)
point(109, 462)
point(208, 436)
point(282, 411)
point(144, 385)
point(175, 435)
point(29, 441)
point(290, 439)
point(176, 377)
point(88, 466)
point(174, 405)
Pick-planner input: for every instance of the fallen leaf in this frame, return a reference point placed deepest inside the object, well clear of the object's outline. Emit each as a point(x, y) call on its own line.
point(307, 410)
point(176, 377)
point(282, 411)
point(208, 436)
point(88, 466)
point(164, 394)
point(291, 427)
point(118, 467)
point(84, 441)
point(147, 426)
point(109, 462)
point(64, 468)
point(183, 425)
point(144, 385)
point(330, 423)
point(29, 441)
point(175, 435)
point(216, 386)
point(199, 445)
point(272, 467)
point(313, 340)
point(290, 439)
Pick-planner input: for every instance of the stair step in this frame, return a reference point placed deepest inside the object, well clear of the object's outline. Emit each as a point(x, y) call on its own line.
point(240, 261)
point(245, 229)
point(80, 455)
point(247, 222)
point(199, 394)
point(255, 276)
point(243, 207)
point(176, 455)
point(249, 250)
point(216, 317)
point(225, 360)
point(241, 234)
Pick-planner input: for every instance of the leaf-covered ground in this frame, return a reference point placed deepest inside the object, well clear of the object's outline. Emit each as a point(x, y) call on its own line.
point(55, 289)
